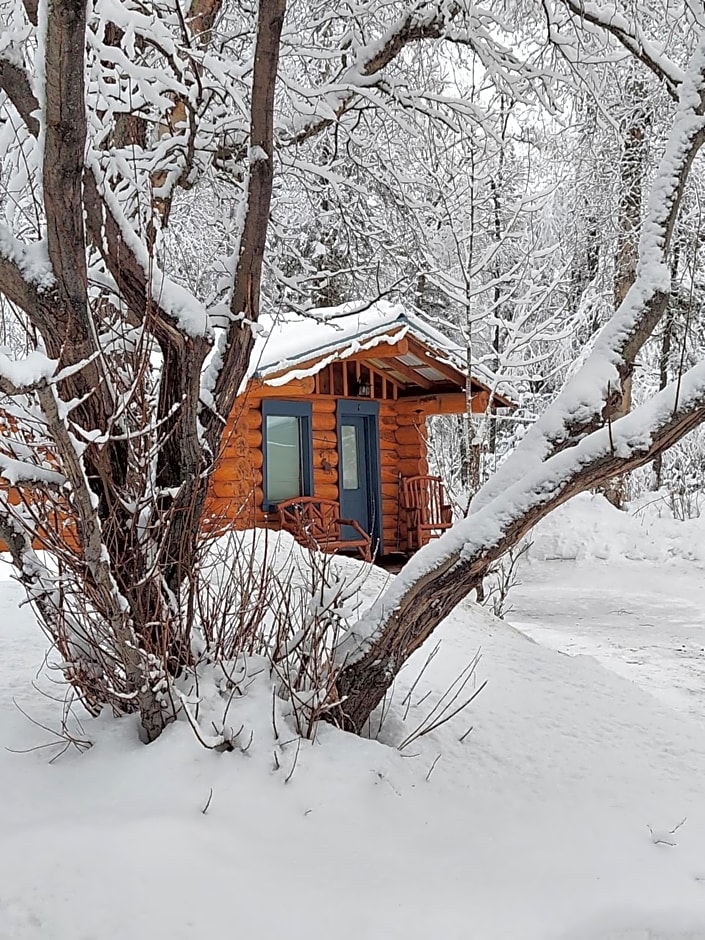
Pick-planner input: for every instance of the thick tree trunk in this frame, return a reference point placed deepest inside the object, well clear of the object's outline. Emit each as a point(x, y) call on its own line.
point(399, 625)
point(138, 481)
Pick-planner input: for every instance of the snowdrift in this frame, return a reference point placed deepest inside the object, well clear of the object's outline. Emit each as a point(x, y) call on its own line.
point(589, 527)
point(533, 827)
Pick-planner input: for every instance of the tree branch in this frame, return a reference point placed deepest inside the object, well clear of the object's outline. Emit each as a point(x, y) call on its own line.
point(414, 26)
point(15, 282)
point(594, 394)
point(64, 146)
point(237, 342)
point(631, 37)
point(15, 83)
point(441, 574)
point(545, 470)
point(31, 9)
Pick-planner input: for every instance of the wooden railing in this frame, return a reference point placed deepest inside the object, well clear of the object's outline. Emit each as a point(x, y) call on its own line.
point(316, 524)
point(427, 513)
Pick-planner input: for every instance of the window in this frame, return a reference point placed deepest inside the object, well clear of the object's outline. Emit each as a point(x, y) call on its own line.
point(349, 451)
point(286, 440)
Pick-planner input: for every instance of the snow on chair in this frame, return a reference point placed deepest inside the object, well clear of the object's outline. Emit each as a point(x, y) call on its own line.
point(427, 513)
point(316, 524)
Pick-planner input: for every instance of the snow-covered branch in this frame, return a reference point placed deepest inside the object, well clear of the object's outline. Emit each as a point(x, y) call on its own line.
point(576, 445)
point(26, 277)
point(230, 364)
point(593, 395)
point(628, 32)
point(443, 572)
point(424, 20)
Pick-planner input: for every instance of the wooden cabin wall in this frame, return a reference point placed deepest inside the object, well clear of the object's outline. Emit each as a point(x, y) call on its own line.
point(325, 447)
point(403, 452)
point(236, 494)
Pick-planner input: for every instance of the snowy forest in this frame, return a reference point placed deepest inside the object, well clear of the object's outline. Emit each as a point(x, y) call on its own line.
point(180, 182)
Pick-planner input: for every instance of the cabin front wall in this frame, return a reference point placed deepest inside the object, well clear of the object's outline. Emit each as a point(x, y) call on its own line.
point(236, 496)
point(403, 453)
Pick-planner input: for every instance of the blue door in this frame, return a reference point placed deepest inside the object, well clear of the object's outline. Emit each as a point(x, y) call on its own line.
point(358, 467)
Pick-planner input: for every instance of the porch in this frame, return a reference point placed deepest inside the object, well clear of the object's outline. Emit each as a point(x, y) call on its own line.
point(423, 514)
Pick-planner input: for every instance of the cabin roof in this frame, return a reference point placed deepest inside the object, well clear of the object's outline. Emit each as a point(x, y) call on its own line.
point(303, 346)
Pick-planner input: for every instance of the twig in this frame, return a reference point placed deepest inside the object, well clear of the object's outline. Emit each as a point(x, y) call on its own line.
point(208, 802)
point(431, 768)
point(274, 715)
point(293, 766)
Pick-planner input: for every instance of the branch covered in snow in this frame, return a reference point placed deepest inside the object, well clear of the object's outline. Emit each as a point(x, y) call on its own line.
point(575, 446)
point(592, 396)
point(25, 272)
point(629, 33)
point(440, 574)
point(457, 23)
point(230, 363)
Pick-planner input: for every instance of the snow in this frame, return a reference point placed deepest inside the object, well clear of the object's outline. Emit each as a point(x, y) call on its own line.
point(257, 153)
point(180, 304)
point(339, 331)
point(625, 588)
point(25, 372)
point(589, 528)
point(538, 825)
point(32, 258)
point(17, 471)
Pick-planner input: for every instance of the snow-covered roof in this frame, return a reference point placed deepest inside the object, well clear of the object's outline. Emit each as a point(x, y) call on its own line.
point(301, 346)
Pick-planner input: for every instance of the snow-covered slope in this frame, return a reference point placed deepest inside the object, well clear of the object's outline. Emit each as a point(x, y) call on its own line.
point(589, 527)
point(535, 826)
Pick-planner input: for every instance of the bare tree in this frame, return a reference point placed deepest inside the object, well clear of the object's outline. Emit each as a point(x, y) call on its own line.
point(576, 445)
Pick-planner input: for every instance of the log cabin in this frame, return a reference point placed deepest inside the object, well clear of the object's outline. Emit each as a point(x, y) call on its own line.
point(335, 411)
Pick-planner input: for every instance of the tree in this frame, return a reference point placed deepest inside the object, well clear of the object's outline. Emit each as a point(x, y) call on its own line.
point(576, 445)
point(114, 419)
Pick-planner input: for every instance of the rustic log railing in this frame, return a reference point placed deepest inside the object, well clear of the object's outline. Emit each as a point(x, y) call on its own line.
point(427, 513)
point(316, 524)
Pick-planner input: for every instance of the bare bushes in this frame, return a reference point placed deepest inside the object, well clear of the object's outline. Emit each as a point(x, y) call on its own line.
point(267, 615)
point(101, 657)
point(265, 619)
point(501, 577)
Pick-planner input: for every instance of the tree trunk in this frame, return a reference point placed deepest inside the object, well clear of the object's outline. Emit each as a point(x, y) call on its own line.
point(631, 175)
point(404, 618)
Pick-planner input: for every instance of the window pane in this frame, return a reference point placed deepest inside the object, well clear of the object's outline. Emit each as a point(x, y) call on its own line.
point(348, 446)
point(283, 457)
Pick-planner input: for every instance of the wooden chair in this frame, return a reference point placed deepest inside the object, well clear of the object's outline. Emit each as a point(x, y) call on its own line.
point(316, 524)
point(427, 513)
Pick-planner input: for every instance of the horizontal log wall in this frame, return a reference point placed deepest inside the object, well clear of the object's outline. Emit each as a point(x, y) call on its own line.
point(403, 449)
point(236, 493)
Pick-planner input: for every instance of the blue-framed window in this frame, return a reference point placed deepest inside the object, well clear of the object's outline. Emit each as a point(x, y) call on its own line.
point(288, 451)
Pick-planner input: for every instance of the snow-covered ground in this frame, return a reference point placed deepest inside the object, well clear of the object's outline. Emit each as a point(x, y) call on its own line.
point(628, 589)
point(533, 827)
